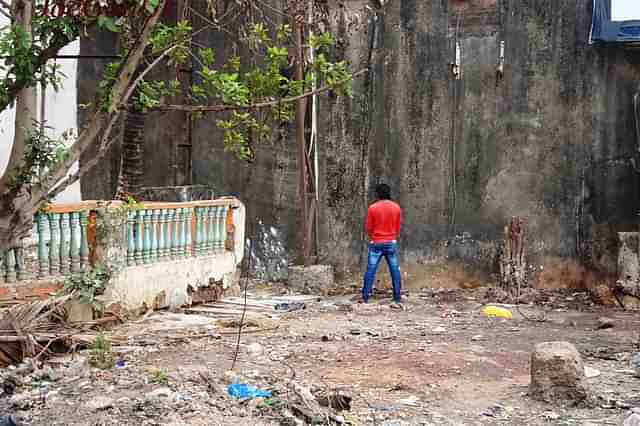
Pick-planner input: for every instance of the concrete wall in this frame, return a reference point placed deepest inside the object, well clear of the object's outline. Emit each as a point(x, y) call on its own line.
point(553, 140)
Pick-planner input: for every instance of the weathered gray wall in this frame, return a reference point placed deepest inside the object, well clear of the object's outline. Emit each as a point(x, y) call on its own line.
point(552, 141)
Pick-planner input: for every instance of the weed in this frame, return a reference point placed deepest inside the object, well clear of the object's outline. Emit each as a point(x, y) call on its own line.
point(101, 355)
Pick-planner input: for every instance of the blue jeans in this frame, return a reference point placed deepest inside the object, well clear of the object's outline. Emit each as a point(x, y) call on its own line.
point(376, 252)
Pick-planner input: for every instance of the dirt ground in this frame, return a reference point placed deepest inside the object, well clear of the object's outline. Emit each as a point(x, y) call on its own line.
point(438, 362)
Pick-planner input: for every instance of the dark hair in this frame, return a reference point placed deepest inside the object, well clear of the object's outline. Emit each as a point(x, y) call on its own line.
point(383, 191)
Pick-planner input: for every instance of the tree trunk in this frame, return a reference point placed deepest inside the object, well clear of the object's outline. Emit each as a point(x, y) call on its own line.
point(19, 202)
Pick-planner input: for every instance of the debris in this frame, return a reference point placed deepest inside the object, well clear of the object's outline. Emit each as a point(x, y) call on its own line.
point(635, 364)
point(255, 349)
point(241, 391)
point(632, 420)
point(439, 330)
point(494, 311)
point(557, 373)
point(28, 330)
point(99, 403)
point(289, 307)
point(591, 372)
point(411, 401)
point(336, 399)
point(476, 338)
point(604, 323)
point(163, 392)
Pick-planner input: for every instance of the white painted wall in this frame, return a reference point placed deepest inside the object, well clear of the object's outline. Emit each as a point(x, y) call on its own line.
point(625, 10)
point(60, 114)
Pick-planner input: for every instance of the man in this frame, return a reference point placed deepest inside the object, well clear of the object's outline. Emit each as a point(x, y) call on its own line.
point(383, 226)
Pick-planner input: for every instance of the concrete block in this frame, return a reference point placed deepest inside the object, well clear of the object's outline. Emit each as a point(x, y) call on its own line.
point(315, 279)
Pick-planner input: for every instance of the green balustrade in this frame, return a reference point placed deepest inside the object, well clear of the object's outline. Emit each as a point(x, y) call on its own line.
point(160, 233)
point(199, 211)
point(183, 236)
point(138, 256)
point(165, 221)
point(84, 242)
point(43, 252)
point(10, 266)
point(131, 239)
point(21, 272)
point(222, 227)
point(65, 266)
point(74, 248)
point(211, 233)
point(54, 244)
point(146, 249)
point(155, 234)
point(175, 233)
point(189, 212)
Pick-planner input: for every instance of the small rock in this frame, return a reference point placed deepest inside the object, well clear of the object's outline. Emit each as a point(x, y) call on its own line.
point(591, 372)
point(557, 373)
point(632, 420)
point(163, 392)
point(635, 363)
point(605, 322)
point(231, 377)
point(255, 349)
point(99, 403)
point(20, 401)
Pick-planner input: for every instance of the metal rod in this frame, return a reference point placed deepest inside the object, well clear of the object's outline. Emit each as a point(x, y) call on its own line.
point(300, 139)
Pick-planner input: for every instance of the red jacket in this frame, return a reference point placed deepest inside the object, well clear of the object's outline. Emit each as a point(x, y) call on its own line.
point(383, 221)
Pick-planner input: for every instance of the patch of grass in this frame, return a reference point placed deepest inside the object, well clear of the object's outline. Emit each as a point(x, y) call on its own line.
point(158, 376)
point(101, 355)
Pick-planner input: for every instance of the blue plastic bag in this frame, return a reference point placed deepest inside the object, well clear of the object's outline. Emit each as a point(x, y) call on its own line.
point(240, 391)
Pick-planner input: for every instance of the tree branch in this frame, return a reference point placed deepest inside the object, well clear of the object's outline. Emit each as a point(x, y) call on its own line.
point(100, 120)
point(259, 105)
point(105, 143)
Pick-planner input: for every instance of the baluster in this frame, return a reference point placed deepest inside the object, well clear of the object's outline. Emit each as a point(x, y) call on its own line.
point(187, 225)
point(131, 240)
point(209, 230)
point(165, 218)
point(43, 253)
point(74, 247)
point(160, 234)
point(175, 232)
point(155, 234)
point(146, 254)
point(222, 223)
point(217, 232)
point(64, 244)
point(10, 262)
point(138, 236)
point(199, 218)
point(54, 244)
point(21, 272)
point(84, 242)
point(183, 237)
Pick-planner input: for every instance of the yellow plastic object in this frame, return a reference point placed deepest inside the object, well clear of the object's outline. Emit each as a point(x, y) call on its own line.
point(494, 311)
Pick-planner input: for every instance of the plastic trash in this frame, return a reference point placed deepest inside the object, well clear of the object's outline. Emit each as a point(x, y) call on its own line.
point(241, 391)
point(120, 364)
point(293, 306)
point(494, 311)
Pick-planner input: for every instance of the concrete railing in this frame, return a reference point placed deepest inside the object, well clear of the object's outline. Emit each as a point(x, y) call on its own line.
point(164, 231)
point(63, 241)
